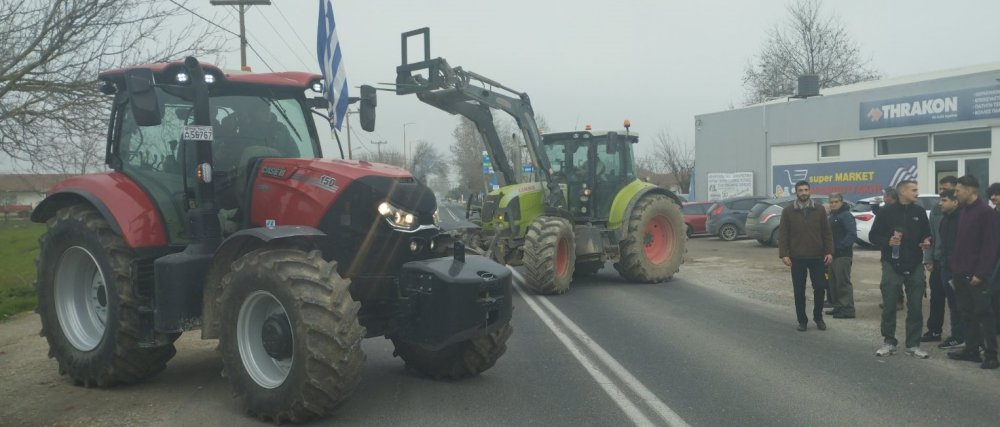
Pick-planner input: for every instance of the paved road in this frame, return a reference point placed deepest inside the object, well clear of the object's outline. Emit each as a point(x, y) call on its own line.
point(607, 353)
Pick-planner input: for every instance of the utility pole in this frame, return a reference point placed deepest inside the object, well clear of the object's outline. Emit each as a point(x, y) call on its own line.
point(242, 6)
point(379, 144)
point(348, 120)
point(406, 153)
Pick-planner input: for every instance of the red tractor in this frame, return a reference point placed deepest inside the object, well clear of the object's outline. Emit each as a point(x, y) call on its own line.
point(220, 214)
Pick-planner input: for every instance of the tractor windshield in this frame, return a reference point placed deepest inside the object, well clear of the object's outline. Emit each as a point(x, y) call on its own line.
point(246, 127)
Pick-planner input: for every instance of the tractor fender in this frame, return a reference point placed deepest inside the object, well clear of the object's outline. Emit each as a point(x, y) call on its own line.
point(625, 201)
point(235, 246)
point(124, 205)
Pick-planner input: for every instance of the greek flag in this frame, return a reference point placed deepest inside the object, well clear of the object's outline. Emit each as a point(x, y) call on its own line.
point(331, 64)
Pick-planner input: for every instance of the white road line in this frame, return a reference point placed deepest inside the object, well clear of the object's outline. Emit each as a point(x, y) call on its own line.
point(612, 390)
point(657, 405)
point(451, 214)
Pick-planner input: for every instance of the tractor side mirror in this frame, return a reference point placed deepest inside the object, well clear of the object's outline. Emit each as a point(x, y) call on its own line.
point(369, 100)
point(142, 97)
point(613, 141)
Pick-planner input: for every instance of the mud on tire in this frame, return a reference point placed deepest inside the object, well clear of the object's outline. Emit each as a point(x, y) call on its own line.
point(290, 337)
point(456, 361)
point(653, 247)
point(549, 255)
point(88, 304)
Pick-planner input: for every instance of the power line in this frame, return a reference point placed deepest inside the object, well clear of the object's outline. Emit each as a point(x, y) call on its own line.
point(226, 30)
point(203, 18)
point(294, 32)
point(290, 50)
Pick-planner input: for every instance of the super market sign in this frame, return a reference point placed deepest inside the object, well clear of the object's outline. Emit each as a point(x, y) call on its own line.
point(855, 180)
point(966, 104)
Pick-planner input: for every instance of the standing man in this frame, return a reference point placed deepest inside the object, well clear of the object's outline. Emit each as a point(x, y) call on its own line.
point(935, 319)
point(971, 267)
point(943, 247)
point(845, 232)
point(806, 245)
point(889, 197)
point(901, 230)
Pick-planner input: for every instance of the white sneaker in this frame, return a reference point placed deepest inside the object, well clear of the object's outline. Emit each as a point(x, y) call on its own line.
point(917, 352)
point(886, 350)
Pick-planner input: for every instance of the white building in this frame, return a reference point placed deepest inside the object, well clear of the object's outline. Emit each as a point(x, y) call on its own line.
point(856, 139)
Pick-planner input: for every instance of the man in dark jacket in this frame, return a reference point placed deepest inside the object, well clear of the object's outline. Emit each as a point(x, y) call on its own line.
point(943, 247)
point(806, 245)
point(902, 232)
point(972, 266)
point(845, 232)
point(932, 262)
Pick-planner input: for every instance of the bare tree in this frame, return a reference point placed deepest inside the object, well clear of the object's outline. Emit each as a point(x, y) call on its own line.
point(427, 161)
point(466, 151)
point(673, 157)
point(809, 43)
point(51, 114)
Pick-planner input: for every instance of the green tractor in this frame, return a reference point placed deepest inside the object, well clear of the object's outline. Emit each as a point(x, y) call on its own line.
point(586, 205)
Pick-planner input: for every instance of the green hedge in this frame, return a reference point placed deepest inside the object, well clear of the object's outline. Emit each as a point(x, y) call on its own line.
point(18, 250)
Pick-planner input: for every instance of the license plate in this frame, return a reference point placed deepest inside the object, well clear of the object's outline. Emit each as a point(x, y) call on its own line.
point(197, 133)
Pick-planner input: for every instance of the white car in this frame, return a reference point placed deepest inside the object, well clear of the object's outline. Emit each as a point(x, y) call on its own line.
point(864, 211)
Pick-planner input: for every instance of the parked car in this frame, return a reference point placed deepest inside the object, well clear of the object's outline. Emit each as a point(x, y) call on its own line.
point(864, 212)
point(763, 219)
point(727, 218)
point(694, 217)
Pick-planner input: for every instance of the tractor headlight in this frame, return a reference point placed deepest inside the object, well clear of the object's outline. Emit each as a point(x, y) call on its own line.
point(437, 217)
point(396, 217)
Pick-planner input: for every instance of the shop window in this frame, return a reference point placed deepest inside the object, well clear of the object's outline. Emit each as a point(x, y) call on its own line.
point(959, 141)
point(902, 145)
point(829, 150)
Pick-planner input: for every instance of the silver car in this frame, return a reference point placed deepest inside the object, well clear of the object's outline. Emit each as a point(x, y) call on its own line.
point(764, 217)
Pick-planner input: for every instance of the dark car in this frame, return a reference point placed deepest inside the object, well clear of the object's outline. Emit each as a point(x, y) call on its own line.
point(763, 219)
point(727, 218)
point(694, 216)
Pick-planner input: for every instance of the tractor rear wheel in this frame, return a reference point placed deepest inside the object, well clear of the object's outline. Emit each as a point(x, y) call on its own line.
point(653, 247)
point(549, 255)
point(456, 361)
point(291, 341)
point(88, 302)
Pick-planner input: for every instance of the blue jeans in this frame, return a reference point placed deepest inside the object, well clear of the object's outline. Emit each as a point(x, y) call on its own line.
point(942, 292)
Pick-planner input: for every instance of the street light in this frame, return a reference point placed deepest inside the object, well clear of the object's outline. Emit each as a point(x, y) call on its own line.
point(406, 153)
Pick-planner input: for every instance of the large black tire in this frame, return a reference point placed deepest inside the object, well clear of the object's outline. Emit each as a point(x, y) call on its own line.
point(88, 303)
point(589, 268)
point(456, 361)
point(653, 247)
point(549, 255)
point(296, 302)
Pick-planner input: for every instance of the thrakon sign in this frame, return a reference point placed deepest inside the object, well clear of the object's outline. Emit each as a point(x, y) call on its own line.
point(966, 104)
point(856, 180)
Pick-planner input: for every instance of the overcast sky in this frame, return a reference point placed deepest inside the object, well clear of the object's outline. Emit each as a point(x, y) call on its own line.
point(657, 63)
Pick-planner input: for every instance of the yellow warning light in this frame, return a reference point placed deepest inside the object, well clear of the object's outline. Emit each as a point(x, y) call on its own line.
point(628, 124)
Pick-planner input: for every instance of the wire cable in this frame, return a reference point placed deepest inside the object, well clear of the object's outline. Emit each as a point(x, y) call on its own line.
point(294, 32)
point(282, 38)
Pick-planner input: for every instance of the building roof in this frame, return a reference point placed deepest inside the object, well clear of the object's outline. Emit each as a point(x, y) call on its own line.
point(38, 183)
point(898, 81)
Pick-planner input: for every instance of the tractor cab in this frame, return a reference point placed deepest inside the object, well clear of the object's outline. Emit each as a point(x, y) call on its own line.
point(591, 167)
point(253, 116)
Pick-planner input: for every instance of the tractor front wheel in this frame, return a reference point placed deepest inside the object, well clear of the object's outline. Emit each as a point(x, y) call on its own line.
point(88, 304)
point(549, 255)
point(290, 341)
point(456, 361)
point(653, 247)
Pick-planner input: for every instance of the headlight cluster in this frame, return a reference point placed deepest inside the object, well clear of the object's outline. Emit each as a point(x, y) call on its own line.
point(437, 217)
point(396, 217)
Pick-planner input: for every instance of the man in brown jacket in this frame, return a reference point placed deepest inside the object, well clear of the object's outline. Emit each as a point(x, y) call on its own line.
point(805, 243)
